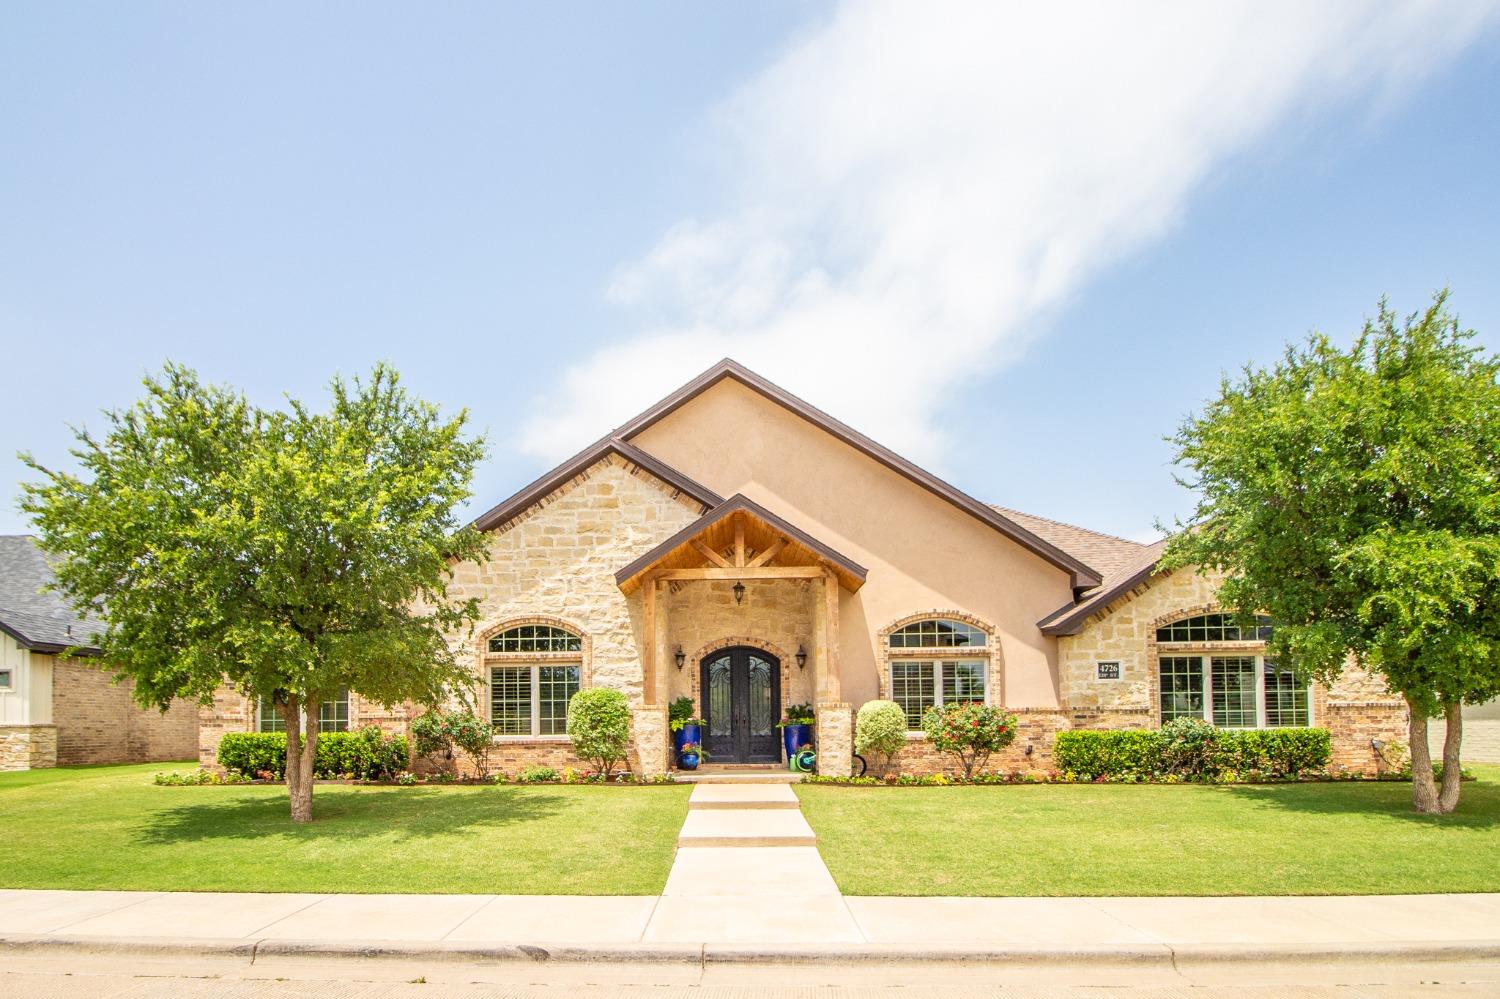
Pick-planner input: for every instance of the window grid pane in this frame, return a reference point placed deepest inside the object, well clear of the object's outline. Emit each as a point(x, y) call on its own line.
point(535, 638)
point(963, 681)
point(1214, 628)
point(333, 716)
point(912, 688)
point(1234, 691)
point(556, 685)
point(1181, 687)
point(1286, 698)
point(937, 633)
point(510, 700)
point(7, 679)
point(270, 719)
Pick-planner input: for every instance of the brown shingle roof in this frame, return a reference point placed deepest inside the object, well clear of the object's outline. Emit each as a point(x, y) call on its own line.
point(1069, 620)
point(1104, 552)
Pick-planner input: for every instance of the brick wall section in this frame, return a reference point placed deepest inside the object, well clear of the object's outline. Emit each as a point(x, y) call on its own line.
point(28, 747)
point(98, 722)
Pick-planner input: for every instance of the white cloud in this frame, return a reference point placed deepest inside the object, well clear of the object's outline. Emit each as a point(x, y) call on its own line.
point(908, 185)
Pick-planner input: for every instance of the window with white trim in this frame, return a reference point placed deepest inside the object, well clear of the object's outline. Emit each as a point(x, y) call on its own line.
point(7, 679)
point(922, 672)
point(534, 672)
point(1233, 691)
point(333, 716)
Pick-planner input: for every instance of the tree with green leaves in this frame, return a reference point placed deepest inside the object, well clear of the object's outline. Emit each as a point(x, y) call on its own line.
point(1354, 496)
point(287, 552)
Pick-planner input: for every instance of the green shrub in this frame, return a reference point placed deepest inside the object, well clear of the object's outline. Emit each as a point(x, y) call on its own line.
point(365, 754)
point(443, 731)
point(1190, 749)
point(599, 725)
point(536, 775)
point(880, 731)
point(970, 731)
point(1090, 754)
point(1275, 752)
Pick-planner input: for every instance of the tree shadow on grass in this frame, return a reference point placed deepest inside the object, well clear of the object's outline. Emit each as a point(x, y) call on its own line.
point(350, 813)
point(1478, 806)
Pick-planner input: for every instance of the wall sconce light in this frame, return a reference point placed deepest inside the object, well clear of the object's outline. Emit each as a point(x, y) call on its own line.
point(681, 658)
point(739, 591)
point(801, 657)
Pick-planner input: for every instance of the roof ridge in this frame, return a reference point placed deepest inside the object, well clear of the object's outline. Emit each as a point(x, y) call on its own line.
point(1076, 527)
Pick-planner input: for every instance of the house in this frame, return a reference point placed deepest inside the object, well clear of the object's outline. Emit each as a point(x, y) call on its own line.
point(737, 546)
point(58, 708)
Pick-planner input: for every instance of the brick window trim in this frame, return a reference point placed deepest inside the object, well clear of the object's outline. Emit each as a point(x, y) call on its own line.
point(994, 686)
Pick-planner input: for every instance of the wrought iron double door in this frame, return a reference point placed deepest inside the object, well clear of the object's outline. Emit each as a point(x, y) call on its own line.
point(741, 702)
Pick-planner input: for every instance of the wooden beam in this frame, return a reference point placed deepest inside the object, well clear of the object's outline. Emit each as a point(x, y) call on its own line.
point(760, 572)
point(768, 554)
point(710, 554)
point(663, 653)
point(648, 643)
point(739, 539)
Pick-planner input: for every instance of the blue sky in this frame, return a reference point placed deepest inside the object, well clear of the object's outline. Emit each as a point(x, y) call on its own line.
point(1016, 248)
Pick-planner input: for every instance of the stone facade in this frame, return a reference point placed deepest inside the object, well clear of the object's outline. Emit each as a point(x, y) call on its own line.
point(28, 747)
point(1356, 709)
point(98, 722)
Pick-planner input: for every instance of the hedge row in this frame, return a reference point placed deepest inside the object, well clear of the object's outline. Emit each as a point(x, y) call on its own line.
point(365, 754)
point(1212, 754)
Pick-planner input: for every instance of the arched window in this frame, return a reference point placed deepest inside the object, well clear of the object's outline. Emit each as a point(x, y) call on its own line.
point(938, 633)
point(535, 669)
point(928, 668)
point(1239, 688)
point(1214, 628)
point(536, 638)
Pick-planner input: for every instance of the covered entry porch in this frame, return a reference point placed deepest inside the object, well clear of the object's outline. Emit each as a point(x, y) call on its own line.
point(739, 611)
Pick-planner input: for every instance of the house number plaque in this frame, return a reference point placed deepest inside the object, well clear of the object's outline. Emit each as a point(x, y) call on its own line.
point(1109, 671)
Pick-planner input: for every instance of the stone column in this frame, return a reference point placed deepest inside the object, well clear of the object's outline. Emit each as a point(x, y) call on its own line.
point(835, 738)
point(28, 747)
point(648, 725)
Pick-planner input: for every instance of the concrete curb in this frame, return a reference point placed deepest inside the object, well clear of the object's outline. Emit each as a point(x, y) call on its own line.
point(1128, 955)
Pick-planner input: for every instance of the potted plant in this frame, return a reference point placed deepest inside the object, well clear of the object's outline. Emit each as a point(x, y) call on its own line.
point(685, 728)
point(796, 729)
point(689, 756)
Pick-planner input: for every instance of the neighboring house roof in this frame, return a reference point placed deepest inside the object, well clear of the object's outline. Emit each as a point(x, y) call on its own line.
point(851, 573)
point(1082, 572)
point(538, 490)
point(38, 618)
point(1069, 620)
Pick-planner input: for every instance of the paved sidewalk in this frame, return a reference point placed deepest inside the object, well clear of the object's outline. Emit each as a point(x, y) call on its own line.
point(770, 923)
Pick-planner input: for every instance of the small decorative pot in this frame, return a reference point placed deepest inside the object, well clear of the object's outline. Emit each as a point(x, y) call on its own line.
point(688, 761)
point(793, 738)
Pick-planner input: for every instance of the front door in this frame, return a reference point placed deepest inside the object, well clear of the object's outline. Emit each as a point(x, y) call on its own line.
point(741, 698)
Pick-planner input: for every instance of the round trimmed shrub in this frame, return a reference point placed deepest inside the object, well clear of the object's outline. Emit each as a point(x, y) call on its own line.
point(599, 725)
point(880, 731)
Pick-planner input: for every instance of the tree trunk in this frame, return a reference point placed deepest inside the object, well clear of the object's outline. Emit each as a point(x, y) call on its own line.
point(1452, 768)
point(301, 752)
point(1423, 791)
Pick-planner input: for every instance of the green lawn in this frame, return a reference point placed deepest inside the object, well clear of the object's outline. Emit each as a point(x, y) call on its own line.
point(1301, 839)
point(110, 827)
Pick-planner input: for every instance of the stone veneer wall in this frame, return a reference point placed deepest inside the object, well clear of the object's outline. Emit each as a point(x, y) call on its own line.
point(98, 722)
point(556, 561)
point(28, 747)
point(775, 616)
point(1355, 710)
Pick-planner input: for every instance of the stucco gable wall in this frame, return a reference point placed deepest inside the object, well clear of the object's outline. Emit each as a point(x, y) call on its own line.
point(921, 551)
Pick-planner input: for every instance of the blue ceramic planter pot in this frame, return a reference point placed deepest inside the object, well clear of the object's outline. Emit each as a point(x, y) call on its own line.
point(688, 761)
point(794, 737)
point(686, 734)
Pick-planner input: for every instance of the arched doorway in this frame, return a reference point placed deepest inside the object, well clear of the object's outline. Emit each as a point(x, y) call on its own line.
point(741, 689)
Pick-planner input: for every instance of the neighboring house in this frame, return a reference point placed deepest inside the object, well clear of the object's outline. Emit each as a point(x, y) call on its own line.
point(57, 709)
point(734, 545)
